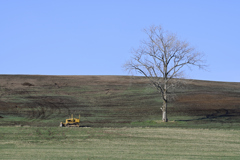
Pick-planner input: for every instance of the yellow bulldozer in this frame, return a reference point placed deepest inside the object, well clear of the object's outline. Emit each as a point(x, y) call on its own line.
point(71, 122)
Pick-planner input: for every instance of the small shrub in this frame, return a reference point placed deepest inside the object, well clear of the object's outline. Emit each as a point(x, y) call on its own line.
point(27, 84)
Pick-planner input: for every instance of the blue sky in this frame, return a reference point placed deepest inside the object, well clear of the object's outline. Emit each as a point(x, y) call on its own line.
point(95, 37)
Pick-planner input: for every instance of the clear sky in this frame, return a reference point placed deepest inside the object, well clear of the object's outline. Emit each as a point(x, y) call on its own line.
point(95, 37)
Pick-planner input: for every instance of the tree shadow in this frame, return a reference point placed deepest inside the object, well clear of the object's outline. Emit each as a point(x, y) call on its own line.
point(220, 113)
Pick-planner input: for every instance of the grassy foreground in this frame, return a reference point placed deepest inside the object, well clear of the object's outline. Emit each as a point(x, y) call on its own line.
point(124, 116)
point(118, 143)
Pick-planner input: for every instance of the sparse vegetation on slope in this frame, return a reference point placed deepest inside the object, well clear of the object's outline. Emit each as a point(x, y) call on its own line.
point(115, 101)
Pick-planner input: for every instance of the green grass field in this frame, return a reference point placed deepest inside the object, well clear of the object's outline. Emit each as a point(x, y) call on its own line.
point(118, 143)
point(120, 119)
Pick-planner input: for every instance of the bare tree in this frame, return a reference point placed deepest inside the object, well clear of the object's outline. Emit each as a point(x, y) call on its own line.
point(161, 59)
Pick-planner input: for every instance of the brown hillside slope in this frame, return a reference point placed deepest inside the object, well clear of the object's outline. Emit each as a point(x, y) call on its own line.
point(110, 100)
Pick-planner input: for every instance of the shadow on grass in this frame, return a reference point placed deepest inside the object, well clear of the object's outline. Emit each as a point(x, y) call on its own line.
point(220, 113)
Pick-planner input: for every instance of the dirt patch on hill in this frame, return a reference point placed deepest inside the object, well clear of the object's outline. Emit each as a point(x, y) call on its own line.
point(210, 100)
point(210, 104)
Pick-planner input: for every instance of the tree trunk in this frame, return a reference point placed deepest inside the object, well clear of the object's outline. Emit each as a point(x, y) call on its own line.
point(164, 108)
point(164, 112)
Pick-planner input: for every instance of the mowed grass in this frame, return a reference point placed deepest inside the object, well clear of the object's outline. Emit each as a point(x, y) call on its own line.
point(118, 143)
point(124, 116)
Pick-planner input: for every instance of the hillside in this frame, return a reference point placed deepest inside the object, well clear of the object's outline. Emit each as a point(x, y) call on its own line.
point(107, 101)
